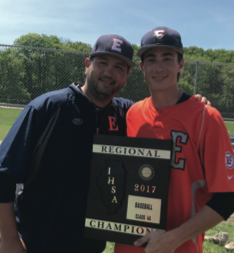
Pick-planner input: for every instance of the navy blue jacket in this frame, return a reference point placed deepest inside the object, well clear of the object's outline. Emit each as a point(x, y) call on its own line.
point(112, 119)
point(48, 149)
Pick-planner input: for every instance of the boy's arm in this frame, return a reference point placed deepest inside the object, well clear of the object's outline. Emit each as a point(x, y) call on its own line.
point(168, 242)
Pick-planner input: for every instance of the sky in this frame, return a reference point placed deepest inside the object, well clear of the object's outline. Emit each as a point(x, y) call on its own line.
point(202, 23)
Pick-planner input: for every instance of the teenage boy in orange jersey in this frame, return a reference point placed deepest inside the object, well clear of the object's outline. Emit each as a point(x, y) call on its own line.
point(201, 188)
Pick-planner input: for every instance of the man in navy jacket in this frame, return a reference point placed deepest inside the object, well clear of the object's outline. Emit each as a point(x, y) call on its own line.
point(48, 150)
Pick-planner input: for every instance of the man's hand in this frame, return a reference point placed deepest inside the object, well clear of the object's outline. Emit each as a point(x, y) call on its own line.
point(10, 243)
point(199, 97)
point(158, 242)
point(17, 246)
point(202, 99)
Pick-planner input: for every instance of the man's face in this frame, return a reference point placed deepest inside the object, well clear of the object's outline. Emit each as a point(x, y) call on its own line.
point(105, 76)
point(160, 68)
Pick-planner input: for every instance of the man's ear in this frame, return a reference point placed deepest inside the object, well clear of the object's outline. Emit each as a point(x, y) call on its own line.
point(87, 64)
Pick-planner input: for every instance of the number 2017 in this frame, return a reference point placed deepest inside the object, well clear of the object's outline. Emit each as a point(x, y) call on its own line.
point(144, 188)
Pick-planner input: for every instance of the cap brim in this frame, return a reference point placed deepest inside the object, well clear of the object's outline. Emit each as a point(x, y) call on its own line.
point(144, 49)
point(130, 63)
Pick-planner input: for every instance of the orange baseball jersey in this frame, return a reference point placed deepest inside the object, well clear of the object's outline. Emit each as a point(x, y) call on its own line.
point(201, 160)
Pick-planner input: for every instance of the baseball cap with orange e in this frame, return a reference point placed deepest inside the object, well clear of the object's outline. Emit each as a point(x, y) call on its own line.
point(161, 37)
point(115, 45)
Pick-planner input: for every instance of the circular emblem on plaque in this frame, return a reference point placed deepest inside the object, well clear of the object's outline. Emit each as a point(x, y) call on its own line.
point(146, 172)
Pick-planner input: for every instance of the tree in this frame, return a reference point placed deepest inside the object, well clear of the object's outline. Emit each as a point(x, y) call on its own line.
point(12, 72)
point(48, 70)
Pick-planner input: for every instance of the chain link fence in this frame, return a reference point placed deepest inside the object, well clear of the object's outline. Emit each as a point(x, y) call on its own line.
point(27, 72)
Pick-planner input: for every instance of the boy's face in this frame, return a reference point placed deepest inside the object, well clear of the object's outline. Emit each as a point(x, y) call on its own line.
point(160, 68)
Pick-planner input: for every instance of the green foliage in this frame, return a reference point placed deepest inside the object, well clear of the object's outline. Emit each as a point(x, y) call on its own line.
point(136, 88)
point(187, 79)
point(37, 40)
point(26, 73)
point(135, 48)
point(12, 73)
point(52, 41)
point(78, 46)
point(215, 81)
point(210, 55)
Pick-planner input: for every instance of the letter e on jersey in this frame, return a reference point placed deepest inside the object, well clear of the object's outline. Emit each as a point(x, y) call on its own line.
point(117, 45)
point(113, 124)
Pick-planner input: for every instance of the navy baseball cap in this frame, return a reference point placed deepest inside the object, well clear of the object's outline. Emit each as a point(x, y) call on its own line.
point(115, 45)
point(161, 37)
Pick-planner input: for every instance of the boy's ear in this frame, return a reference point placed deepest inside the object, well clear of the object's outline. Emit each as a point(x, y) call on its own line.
point(141, 65)
point(181, 65)
point(129, 72)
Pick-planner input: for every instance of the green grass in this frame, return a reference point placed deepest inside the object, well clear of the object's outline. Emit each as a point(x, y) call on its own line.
point(208, 247)
point(7, 118)
point(109, 247)
point(230, 127)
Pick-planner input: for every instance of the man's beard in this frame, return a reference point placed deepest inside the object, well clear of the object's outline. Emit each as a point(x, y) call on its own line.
point(97, 92)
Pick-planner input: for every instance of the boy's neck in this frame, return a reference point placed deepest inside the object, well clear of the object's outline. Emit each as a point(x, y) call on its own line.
point(165, 98)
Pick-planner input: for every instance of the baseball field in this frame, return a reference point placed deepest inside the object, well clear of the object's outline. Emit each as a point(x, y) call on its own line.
point(9, 115)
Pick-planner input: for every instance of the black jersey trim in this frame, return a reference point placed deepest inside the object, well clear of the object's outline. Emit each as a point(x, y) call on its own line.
point(222, 203)
point(184, 98)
